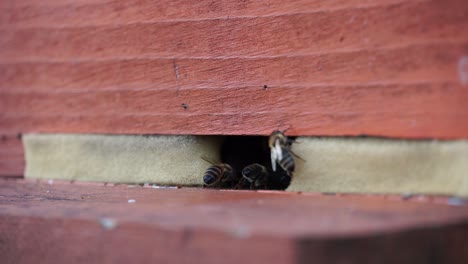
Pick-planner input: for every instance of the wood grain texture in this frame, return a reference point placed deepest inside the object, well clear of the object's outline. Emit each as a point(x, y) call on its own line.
point(288, 34)
point(32, 13)
point(426, 63)
point(70, 223)
point(144, 109)
point(11, 155)
point(388, 68)
point(384, 98)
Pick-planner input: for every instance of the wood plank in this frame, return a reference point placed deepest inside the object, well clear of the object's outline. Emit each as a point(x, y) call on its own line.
point(438, 110)
point(421, 63)
point(66, 222)
point(416, 126)
point(383, 99)
point(429, 65)
point(293, 35)
point(33, 13)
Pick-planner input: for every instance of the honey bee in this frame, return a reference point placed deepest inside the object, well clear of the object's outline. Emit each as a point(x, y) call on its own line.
point(280, 150)
point(256, 175)
point(219, 175)
point(279, 180)
point(280, 137)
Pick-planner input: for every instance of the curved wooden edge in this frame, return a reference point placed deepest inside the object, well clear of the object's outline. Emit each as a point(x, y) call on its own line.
point(59, 221)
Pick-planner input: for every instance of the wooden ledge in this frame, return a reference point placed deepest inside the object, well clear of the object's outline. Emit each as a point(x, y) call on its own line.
point(53, 221)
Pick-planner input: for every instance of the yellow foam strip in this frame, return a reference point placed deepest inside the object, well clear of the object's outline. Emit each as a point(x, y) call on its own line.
point(381, 166)
point(172, 160)
point(364, 165)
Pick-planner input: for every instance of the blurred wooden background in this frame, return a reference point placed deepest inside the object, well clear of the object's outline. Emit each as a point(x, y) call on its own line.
point(60, 222)
point(344, 67)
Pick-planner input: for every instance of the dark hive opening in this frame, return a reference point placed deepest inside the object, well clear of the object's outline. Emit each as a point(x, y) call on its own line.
point(245, 153)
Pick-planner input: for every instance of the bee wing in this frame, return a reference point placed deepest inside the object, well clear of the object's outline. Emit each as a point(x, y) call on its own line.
point(279, 150)
point(276, 154)
point(273, 158)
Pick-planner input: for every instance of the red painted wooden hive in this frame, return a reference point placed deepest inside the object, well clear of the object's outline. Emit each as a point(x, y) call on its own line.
point(388, 68)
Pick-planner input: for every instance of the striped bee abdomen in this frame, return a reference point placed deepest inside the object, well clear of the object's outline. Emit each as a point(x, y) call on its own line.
point(253, 172)
point(213, 174)
point(256, 175)
point(217, 175)
point(287, 161)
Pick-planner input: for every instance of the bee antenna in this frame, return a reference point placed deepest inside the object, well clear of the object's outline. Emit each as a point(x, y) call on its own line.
point(207, 160)
point(284, 131)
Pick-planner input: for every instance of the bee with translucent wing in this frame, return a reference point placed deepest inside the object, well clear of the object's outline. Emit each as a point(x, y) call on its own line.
point(280, 150)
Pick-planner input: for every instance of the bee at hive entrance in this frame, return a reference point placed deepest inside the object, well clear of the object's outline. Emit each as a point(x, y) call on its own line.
point(251, 165)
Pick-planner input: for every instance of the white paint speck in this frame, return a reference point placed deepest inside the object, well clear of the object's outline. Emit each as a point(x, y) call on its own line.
point(50, 181)
point(155, 186)
point(463, 70)
point(108, 223)
point(131, 201)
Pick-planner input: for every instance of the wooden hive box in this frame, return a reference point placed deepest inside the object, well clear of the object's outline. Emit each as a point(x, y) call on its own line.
point(393, 68)
point(389, 68)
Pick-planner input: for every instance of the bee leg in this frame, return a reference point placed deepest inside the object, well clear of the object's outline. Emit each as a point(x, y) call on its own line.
point(240, 184)
point(252, 185)
point(297, 156)
point(237, 186)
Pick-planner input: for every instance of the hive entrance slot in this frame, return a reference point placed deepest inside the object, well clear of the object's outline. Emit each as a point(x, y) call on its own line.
point(174, 160)
point(240, 153)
